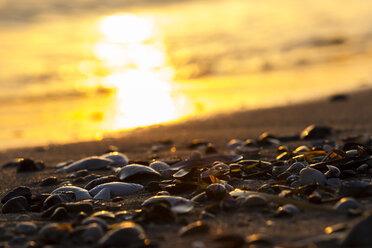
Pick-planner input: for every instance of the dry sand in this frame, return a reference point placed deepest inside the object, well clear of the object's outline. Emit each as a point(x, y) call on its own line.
point(353, 116)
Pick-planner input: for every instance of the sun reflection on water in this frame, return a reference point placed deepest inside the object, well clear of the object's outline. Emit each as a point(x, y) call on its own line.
point(132, 51)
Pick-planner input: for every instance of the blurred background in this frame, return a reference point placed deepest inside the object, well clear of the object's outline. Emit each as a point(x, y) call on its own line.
point(87, 69)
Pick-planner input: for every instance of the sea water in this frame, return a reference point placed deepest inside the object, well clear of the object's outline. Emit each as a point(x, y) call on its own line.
point(83, 70)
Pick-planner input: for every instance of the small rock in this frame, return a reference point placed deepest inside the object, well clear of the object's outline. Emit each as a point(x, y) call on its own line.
point(59, 214)
point(126, 234)
point(29, 165)
point(254, 201)
point(216, 191)
point(92, 233)
point(49, 181)
point(20, 191)
point(195, 228)
point(26, 228)
point(53, 232)
point(346, 203)
point(287, 211)
point(312, 176)
point(315, 132)
point(17, 204)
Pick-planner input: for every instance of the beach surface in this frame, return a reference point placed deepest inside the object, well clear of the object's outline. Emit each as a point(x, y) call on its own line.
point(350, 115)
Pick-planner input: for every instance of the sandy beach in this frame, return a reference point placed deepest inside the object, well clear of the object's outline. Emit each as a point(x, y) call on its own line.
point(350, 116)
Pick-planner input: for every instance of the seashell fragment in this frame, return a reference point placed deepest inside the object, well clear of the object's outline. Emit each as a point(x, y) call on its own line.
point(89, 163)
point(312, 176)
point(119, 159)
point(80, 193)
point(117, 188)
point(137, 171)
point(178, 204)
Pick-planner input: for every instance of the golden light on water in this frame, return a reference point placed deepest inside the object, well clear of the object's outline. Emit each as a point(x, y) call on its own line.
point(131, 50)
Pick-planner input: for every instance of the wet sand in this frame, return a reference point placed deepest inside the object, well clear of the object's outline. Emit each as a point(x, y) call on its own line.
point(350, 116)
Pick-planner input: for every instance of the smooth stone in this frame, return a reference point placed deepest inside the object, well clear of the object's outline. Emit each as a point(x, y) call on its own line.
point(17, 204)
point(287, 210)
point(254, 201)
point(359, 235)
point(312, 176)
point(195, 228)
point(29, 165)
point(315, 132)
point(162, 168)
point(89, 163)
point(80, 193)
point(53, 232)
point(216, 191)
point(92, 233)
point(59, 214)
point(333, 171)
point(98, 221)
point(117, 188)
point(20, 191)
point(126, 234)
point(26, 228)
point(346, 203)
point(103, 195)
point(48, 181)
point(295, 167)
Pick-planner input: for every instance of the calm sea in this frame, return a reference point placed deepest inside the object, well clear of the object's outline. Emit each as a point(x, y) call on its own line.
point(86, 69)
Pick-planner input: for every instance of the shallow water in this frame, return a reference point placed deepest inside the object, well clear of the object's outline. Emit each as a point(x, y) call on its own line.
point(87, 69)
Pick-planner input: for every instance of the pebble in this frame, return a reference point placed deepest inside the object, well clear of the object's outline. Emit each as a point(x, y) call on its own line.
point(119, 159)
point(29, 165)
point(359, 235)
point(346, 203)
point(312, 176)
point(20, 191)
point(92, 233)
point(53, 233)
point(26, 228)
point(100, 180)
point(315, 132)
point(59, 214)
point(216, 191)
point(49, 181)
point(16, 204)
point(287, 211)
point(295, 167)
point(98, 221)
point(125, 234)
point(195, 228)
point(252, 201)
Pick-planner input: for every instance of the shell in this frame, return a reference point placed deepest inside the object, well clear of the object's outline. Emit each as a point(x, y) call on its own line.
point(178, 204)
point(117, 188)
point(89, 163)
point(119, 159)
point(312, 176)
point(132, 170)
point(80, 193)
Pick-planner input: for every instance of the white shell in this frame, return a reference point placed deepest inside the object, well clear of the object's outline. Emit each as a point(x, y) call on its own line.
point(133, 169)
point(119, 159)
point(312, 176)
point(89, 163)
point(104, 195)
point(178, 204)
point(117, 188)
point(80, 193)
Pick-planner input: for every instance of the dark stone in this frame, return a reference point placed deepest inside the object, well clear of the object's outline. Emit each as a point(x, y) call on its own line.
point(49, 181)
point(216, 191)
point(159, 212)
point(29, 165)
point(316, 132)
point(127, 234)
point(359, 235)
point(17, 204)
point(20, 191)
point(59, 214)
